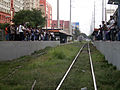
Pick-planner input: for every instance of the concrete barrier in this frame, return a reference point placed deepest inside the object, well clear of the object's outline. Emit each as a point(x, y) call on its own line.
point(111, 50)
point(10, 50)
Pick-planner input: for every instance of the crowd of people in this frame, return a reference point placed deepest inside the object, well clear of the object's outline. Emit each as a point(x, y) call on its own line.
point(108, 31)
point(22, 33)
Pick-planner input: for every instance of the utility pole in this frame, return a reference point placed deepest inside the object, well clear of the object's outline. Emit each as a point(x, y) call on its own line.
point(58, 21)
point(70, 17)
point(102, 10)
point(105, 12)
point(11, 10)
point(94, 14)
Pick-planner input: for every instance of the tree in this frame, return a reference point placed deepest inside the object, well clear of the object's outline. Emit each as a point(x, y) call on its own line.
point(3, 25)
point(76, 34)
point(33, 18)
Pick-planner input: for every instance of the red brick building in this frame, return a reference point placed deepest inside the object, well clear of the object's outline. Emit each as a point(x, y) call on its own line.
point(46, 9)
point(4, 17)
point(49, 14)
point(43, 6)
point(64, 25)
point(54, 24)
point(7, 9)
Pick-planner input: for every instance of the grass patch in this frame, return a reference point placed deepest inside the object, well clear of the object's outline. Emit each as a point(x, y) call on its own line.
point(57, 54)
point(47, 69)
point(106, 74)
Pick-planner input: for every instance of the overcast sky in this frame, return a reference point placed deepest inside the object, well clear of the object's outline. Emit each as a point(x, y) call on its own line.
point(82, 12)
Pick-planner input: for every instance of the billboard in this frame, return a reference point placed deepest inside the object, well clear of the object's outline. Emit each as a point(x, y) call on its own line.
point(75, 25)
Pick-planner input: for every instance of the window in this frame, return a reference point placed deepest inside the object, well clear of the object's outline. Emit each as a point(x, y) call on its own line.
point(41, 5)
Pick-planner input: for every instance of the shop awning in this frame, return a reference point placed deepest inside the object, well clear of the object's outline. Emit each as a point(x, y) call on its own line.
point(96, 29)
point(59, 31)
point(53, 30)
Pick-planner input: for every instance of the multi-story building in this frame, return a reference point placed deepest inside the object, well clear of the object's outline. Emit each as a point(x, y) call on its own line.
point(49, 14)
point(4, 11)
point(18, 5)
point(29, 4)
point(46, 9)
point(54, 24)
point(42, 5)
point(37, 4)
point(64, 25)
point(7, 9)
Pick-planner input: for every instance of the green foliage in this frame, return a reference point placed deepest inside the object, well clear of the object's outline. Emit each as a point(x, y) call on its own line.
point(2, 26)
point(46, 70)
point(40, 68)
point(76, 34)
point(33, 18)
point(58, 54)
point(107, 76)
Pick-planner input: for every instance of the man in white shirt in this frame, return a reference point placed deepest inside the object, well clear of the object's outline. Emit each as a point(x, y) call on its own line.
point(112, 28)
point(21, 32)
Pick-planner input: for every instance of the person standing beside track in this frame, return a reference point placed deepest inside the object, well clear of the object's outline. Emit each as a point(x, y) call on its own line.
point(100, 33)
point(7, 33)
point(12, 32)
point(104, 30)
point(112, 28)
point(108, 31)
point(21, 37)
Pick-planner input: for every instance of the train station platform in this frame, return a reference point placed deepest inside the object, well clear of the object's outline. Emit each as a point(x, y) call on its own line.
point(111, 51)
point(10, 50)
point(61, 35)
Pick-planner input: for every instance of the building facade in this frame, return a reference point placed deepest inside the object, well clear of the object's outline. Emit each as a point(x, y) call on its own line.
point(7, 9)
point(64, 25)
point(4, 11)
point(42, 6)
point(54, 24)
point(49, 14)
point(46, 9)
point(18, 5)
point(29, 4)
point(37, 4)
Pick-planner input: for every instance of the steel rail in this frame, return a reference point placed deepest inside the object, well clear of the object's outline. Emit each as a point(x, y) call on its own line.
point(33, 85)
point(64, 77)
point(92, 68)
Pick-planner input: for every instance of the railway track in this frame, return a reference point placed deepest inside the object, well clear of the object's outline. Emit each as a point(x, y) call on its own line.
point(66, 78)
point(73, 68)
